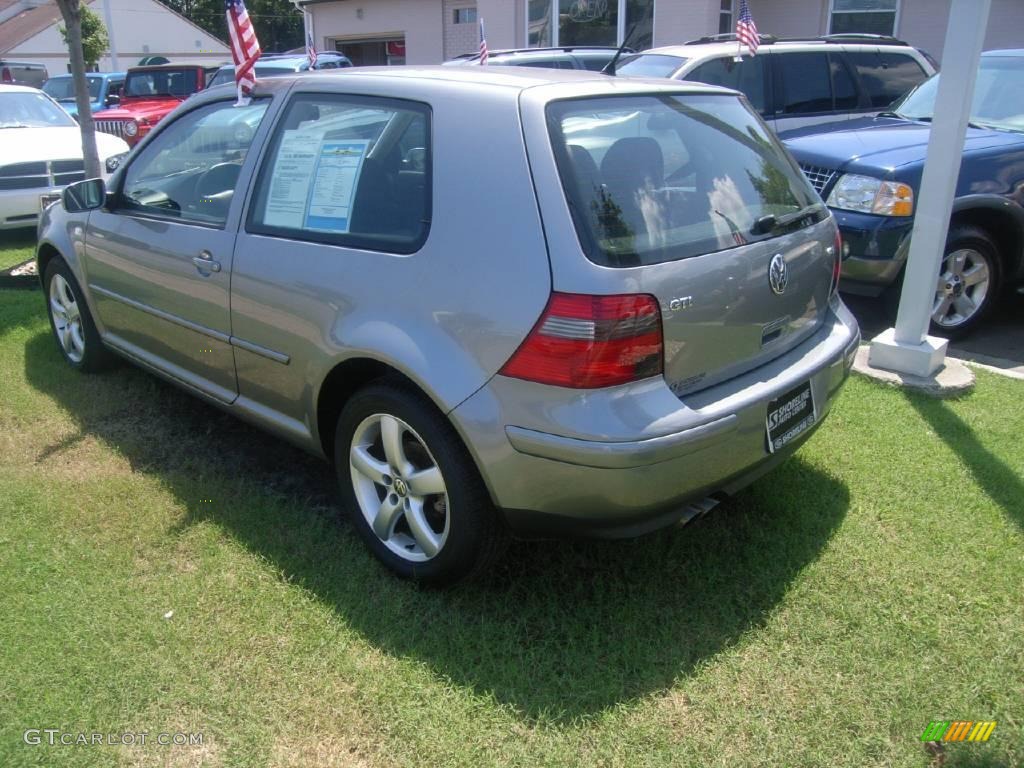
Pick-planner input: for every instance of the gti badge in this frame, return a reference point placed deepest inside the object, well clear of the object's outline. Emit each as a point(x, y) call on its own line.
point(777, 276)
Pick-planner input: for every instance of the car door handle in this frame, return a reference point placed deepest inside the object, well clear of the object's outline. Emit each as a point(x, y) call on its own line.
point(205, 263)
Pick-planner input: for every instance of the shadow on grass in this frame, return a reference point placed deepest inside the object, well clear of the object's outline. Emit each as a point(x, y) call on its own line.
point(1003, 485)
point(561, 630)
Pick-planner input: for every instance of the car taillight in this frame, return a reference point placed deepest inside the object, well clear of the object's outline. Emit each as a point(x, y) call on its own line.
point(837, 263)
point(5, 75)
point(585, 342)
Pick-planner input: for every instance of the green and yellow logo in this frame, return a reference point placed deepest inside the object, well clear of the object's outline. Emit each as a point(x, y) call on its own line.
point(958, 730)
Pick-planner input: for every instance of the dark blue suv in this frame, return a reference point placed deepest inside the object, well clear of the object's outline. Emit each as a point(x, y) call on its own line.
point(869, 172)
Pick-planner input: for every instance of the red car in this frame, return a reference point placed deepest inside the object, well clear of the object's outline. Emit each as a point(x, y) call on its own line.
point(150, 93)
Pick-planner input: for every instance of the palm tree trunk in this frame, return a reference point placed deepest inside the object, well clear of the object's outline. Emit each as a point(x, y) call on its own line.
point(71, 11)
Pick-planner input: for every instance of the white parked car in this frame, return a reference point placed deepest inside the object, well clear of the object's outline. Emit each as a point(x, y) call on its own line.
point(40, 153)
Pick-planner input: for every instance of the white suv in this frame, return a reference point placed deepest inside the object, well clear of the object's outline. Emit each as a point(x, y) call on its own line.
point(795, 83)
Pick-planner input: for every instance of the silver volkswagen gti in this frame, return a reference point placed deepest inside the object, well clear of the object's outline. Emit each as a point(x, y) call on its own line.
point(498, 300)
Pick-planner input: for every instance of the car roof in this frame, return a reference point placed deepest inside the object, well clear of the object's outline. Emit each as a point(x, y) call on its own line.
point(158, 67)
point(18, 89)
point(1005, 52)
point(510, 80)
point(88, 74)
point(725, 48)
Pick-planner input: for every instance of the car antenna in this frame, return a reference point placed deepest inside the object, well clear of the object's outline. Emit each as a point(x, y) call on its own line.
point(609, 68)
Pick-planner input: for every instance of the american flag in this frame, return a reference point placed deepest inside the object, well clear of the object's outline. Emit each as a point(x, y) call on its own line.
point(245, 48)
point(746, 29)
point(483, 44)
point(310, 50)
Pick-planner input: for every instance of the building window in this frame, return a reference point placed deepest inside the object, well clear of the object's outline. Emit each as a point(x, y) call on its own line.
point(874, 17)
point(559, 23)
point(725, 18)
point(464, 15)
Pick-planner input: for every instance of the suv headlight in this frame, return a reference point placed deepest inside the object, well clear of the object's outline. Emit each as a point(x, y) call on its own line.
point(114, 161)
point(867, 194)
point(131, 128)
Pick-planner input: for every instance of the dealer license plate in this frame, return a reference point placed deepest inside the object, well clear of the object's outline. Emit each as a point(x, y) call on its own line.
point(48, 199)
point(789, 416)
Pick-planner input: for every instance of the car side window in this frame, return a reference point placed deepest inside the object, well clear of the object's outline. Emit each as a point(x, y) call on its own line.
point(844, 89)
point(886, 76)
point(803, 82)
point(746, 76)
point(191, 169)
point(347, 170)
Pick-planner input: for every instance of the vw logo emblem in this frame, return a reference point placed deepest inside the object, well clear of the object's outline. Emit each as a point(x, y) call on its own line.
point(777, 275)
point(400, 487)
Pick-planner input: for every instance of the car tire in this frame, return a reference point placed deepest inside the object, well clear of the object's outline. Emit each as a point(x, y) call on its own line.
point(71, 321)
point(411, 489)
point(970, 280)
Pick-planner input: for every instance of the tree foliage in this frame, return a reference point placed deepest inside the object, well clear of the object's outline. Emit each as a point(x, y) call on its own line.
point(94, 37)
point(278, 25)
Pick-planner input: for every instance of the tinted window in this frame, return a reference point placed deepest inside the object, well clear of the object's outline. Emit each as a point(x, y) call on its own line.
point(349, 171)
point(803, 83)
point(886, 76)
point(746, 76)
point(595, 62)
point(63, 88)
point(163, 82)
point(843, 88)
point(191, 169)
point(649, 65)
point(657, 178)
point(533, 62)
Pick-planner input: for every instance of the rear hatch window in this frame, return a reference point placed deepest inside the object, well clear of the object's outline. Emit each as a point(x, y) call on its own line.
point(692, 194)
point(663, 177)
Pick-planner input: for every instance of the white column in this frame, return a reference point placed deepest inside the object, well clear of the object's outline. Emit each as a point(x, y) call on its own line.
point(108, 19)
point(907, 348)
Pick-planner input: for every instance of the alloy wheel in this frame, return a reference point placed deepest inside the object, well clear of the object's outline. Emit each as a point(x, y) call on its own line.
point(399, 487)
point(67, 319)
point(964, 281)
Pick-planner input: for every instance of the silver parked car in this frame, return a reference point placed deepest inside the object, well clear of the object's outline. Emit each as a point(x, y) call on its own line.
point(596, 306)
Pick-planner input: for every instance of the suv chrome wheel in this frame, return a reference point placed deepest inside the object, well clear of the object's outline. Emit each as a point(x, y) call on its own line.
point(963, 286)
point(399, 487)
point(67, 319)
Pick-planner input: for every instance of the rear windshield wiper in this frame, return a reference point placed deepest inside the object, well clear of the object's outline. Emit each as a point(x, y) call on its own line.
point(771, 222)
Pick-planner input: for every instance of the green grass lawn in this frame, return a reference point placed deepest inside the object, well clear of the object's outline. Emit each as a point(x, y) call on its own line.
point(16, 246)
point(822, 618)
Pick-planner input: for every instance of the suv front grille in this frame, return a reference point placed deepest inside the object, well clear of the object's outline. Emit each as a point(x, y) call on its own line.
point(820, 178)
point(115, 127)
point(39, 175)
point(67, 172)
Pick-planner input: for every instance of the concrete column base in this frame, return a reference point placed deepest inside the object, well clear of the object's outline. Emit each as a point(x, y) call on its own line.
point(951, 379)
point(922, 359)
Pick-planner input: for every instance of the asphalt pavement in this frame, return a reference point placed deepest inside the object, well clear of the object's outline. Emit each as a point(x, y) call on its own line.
point(998, 343)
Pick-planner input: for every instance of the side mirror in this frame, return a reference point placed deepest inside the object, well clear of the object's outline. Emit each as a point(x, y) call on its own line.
point(112, 100)
point(85, 195)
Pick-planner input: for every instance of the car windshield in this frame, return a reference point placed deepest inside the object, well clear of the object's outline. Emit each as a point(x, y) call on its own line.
point(998, 95)
point(63, 88)
point(31, 110)
point(649, 65)
point(654, 178)
point(161, 82)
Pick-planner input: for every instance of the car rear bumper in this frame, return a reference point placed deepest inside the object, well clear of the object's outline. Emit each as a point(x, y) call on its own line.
point(624, 460)
point(877, 250)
